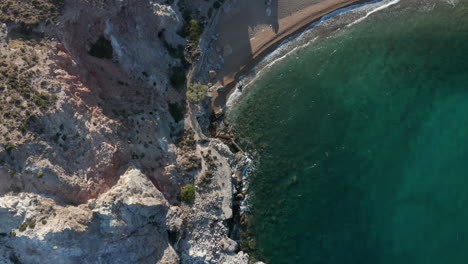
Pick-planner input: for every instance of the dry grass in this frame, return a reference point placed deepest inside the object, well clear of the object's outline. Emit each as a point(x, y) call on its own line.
point(187, 142)
point(29, 11)
point(21, 99)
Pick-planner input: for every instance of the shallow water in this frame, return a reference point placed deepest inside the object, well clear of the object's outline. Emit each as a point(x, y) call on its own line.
point(361, 143)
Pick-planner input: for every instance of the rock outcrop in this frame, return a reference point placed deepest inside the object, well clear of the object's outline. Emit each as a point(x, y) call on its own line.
point(123, 225)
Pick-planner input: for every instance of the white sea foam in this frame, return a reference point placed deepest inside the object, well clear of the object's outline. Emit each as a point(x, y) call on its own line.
point(453, 3)
point(394, 2)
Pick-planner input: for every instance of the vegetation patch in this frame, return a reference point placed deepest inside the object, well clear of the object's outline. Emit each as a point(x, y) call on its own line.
point(20, 99)
point(22, 227)
point(210, 161)
point(196, 92)
point(192, 30)
point(192, 162)
point(187, 141)
point(187, 194)
point(30, 12)
point(31, 224)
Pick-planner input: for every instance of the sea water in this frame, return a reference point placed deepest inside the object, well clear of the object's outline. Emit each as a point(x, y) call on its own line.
point(360, 143)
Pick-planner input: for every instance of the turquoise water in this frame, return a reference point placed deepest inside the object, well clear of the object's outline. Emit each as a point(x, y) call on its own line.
point(361, 143)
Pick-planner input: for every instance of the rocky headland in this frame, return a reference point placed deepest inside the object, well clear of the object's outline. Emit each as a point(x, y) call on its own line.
point(95, 146)
point(110, 149)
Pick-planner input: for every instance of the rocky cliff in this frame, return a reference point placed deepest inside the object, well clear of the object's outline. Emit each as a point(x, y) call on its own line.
point(94, 155)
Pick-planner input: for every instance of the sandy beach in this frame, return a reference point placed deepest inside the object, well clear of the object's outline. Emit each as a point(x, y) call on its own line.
point(250, 29)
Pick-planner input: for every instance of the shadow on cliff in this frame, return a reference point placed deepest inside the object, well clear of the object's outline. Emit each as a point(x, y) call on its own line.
point(234, 34)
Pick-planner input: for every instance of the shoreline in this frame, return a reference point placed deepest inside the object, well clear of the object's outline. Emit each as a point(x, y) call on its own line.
point(278, 54)
point(221, 98)
point(272, 59)
point(342, 17)
point(352, 13)
point(339, 19)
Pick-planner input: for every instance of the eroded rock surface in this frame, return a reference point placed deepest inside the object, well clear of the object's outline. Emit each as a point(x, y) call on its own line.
point(92, 163)
point(123, 225)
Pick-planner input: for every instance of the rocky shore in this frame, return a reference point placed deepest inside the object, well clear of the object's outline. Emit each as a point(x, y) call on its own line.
point(104, 159)
point(94, 152)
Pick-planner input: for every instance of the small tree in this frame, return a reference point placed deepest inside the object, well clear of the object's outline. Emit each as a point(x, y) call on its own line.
point(196, 92)
point(187, 194)
point(194, 32)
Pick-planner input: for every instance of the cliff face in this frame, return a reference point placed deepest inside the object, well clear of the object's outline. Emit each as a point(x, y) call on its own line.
point(89, 169)
point(73, 122)
point(101, 113)
point(123, 225)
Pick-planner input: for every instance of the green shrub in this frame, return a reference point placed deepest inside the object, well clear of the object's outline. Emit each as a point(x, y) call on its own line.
point(40, 174)
point(32, 224)
point(44, 222)
point(187, 194)
point(12, 172)
point(194, 32)
point(22, 227)
point(196, 92)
